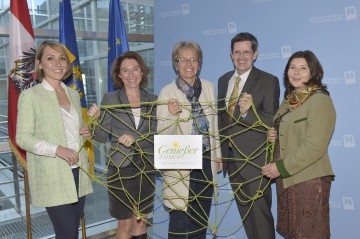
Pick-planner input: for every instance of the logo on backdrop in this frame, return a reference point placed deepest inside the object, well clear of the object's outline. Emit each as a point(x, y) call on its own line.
point(285, 51)
point(348, 203)
point(213, 32)
point(232, 27)
point(350, 13)
point(349, 141)
point(185, 9)
point(336, 142)
point(335, 204)
point(349, 77)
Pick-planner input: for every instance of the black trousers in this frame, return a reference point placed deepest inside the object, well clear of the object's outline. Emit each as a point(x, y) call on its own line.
point(257, 217)
point(66, 218)
point(193, 222)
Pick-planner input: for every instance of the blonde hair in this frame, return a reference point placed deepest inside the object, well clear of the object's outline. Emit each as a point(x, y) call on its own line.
point(191, 45)
point(39, 54)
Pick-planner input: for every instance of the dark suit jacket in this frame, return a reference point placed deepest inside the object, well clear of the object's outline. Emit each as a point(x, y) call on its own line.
point(120, 120)
point(265, 92)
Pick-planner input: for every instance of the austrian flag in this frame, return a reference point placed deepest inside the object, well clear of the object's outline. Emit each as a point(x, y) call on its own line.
point(22, 52)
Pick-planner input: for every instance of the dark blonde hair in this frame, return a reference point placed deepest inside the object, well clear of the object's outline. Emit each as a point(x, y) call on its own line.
point(40, 52)
point(115, 69)
point(182, 45)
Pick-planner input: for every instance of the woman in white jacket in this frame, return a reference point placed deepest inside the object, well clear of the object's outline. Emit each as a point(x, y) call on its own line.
point(188, 193)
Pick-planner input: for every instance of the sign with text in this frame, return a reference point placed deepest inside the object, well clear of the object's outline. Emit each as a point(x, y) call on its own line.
point(178, 151)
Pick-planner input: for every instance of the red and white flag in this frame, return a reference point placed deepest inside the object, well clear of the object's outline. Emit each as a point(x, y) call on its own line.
point(22, 52)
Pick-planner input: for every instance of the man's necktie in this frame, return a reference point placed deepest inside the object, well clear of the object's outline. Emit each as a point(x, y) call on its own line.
point(233, 98)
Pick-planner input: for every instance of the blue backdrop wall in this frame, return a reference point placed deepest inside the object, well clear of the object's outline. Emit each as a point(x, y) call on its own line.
point(330, 28)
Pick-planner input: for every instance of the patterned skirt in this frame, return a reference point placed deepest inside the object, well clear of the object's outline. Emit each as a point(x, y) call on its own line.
point(303, 209)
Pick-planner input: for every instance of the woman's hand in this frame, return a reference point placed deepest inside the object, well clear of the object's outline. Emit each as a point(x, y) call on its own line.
point(271, 135)
point(174, 107)
point(85, 132)
point(94, 111)
point(245, 103)
point(67, 154)
point(270, 171)
point(126, 140)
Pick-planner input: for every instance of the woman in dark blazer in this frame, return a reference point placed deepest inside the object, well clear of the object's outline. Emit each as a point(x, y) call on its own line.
point(129, 120)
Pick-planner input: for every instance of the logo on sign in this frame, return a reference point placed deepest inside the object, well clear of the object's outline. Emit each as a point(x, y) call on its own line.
point(349, 141)
point(185, 9)
point(349, 77)
point(348, 203)
point(285, 52)
point(350, 13)
point(232, 27)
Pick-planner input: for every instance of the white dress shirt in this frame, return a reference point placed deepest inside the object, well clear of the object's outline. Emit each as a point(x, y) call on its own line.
point(71, 126)
point(232, 82)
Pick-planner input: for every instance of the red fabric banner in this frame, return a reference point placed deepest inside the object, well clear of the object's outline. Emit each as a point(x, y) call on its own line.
point(21, 76)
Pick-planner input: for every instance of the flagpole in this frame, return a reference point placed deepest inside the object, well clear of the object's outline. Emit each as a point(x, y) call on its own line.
point(27, 203)
point(83, 225)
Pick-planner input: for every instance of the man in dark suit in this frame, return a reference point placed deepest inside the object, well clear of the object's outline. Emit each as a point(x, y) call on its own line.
point(242, 145)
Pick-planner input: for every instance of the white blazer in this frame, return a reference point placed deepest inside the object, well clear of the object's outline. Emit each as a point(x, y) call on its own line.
point(175, 191)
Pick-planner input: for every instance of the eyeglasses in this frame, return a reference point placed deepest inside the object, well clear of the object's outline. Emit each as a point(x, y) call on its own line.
point(244, 53)
point(191, 60)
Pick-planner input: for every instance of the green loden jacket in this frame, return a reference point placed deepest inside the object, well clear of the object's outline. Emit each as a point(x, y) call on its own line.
point(304, 137)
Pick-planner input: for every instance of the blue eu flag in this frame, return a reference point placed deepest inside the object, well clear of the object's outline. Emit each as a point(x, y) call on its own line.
point(117, 39)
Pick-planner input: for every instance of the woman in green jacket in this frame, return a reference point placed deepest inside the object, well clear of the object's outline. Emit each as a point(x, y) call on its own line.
point(303, 125)
point(49, 129)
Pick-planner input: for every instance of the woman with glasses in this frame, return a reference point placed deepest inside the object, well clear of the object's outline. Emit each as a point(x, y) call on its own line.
point(130, 127)
point(191, 110)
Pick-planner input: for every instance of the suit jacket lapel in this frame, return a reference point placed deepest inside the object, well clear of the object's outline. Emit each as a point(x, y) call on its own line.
point(223, 90)
point(222, 96)
point(250, 81)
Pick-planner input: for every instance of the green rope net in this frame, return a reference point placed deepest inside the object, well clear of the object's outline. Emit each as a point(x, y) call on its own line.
point(234, 191)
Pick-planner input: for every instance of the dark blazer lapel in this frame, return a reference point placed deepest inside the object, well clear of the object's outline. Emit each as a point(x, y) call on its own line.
point(124, 100)
point(223, 90)
point(250, 81)
point(222, 95)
